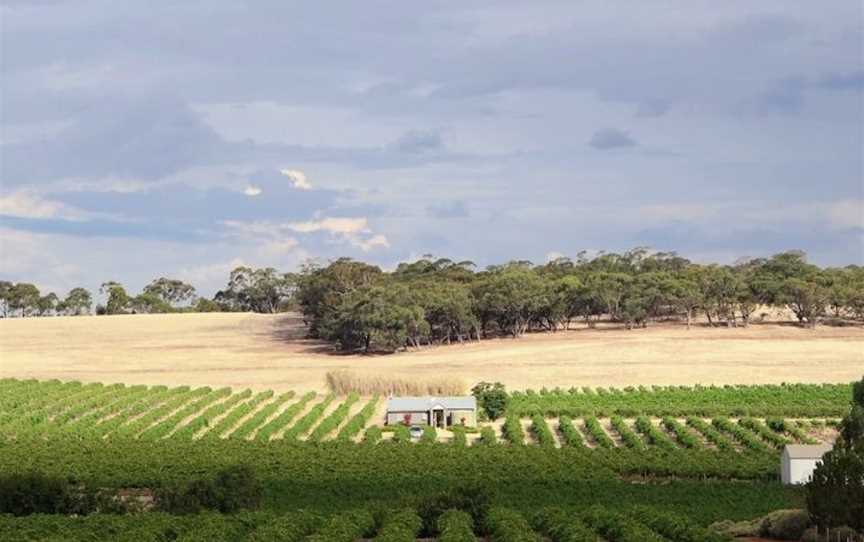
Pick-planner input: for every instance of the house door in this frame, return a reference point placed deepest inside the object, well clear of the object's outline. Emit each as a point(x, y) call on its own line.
point(438, 418)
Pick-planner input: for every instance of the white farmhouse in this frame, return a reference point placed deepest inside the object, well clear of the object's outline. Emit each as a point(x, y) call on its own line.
point(798, 461)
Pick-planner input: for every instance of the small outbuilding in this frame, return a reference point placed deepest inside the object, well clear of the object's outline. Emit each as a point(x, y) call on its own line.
point(437, 411)
point(798, 461)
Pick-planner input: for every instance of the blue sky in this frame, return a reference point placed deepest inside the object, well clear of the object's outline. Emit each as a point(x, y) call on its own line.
point(145, 139)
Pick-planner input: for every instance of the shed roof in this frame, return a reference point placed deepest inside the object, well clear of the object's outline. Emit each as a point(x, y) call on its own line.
point(806, 451)
point(422, 404)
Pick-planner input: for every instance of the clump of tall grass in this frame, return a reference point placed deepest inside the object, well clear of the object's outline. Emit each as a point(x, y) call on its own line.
point(343, 382)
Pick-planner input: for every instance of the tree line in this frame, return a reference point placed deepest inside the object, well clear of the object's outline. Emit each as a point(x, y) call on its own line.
point(360, 307)
point(357, 306)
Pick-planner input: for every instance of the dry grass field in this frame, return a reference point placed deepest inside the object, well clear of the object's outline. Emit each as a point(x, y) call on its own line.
point(268, 352)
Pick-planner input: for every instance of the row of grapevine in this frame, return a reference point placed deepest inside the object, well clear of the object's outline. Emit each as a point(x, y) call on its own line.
point(280, 422)
point(227, 424)
point(764, 431)
point(359, 421)
point(598, 434)
point(711, 434)
point(653, 435)
point(136, 408)
point(507, 525)
point(164, 427)
point(455, 526)
point(684, 437)
point(562, 526)
point(542, 433)
point(203, 421)
point(256, 420)
point(791, 428)
point(345, 527)
point(791, 400)
point(151, 417)
point(571, 435)
point(94, 416)
point(742, 435)
point(512, 431)
point(628, 437)
point(617, 527)
point(332, 422)
point(400, 526)
point(304, 424)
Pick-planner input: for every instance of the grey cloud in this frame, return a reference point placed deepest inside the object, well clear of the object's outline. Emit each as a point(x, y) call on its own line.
point(450, 209)
point(611, 138)
point(419, 141)
point(842, 81)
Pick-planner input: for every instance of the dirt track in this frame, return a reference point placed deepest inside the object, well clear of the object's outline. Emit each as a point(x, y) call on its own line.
point(262, 351)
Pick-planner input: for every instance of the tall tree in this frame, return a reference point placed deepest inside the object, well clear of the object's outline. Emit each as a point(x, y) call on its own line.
point(23, 297)
point(118, 300)
point(170, 291)
point(79, 301)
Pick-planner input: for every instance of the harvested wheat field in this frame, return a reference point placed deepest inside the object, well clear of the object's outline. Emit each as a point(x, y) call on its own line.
point(269, 352)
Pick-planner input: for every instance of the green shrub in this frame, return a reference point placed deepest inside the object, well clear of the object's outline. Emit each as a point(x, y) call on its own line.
point(401, 526)
point(346, 527)
point(291, 527)
point(455, 526)
point(492, 398)
point(785, 524)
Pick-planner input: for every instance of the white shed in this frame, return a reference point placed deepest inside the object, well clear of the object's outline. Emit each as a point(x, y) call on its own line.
point(798, 461)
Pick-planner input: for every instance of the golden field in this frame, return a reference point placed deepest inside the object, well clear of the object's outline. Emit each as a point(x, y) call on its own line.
point(269, 352)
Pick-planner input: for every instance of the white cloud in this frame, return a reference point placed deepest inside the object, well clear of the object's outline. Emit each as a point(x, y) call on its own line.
point(252, 191)
point(552, 256)
point(354, 231)
point(24, 204)
point(298, 178)
point(346, 226)
point(367, 245)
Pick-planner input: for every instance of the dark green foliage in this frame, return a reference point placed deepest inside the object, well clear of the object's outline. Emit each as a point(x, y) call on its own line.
point(491, 398)
point(474, 500)
point(459, 438)
point(835, 493)
point(33, 493)
point(674, 527)
point(617, 527)
point(231, 489)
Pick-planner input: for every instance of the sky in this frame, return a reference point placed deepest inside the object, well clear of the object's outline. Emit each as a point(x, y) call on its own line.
point(182, 139)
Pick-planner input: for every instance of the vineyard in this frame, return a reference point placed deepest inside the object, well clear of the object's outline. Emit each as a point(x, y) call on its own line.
point(703, 454)
point(501, 524)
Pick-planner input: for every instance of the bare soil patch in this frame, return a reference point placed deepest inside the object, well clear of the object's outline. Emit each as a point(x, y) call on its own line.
point(268, 352)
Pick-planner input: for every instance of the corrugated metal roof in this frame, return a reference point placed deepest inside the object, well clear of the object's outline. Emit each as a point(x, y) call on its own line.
point(422, 404)
point(807, 451)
